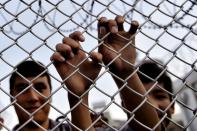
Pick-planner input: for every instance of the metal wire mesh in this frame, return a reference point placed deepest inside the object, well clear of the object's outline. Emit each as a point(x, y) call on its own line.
point(167, 32)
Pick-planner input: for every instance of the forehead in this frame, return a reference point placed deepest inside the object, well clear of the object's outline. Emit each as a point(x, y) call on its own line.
point(33, 80)
point(159, 87)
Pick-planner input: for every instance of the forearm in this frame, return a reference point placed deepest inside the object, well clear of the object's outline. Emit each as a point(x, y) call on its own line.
point(145, 113)
point(80, 115)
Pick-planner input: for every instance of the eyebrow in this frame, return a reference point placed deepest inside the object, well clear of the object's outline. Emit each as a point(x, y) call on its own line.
point(39, 83)
point(27, 84)
point(22, 84)
point(159, 91)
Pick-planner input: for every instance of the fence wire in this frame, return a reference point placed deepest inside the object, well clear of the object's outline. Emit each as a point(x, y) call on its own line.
point(167, 35)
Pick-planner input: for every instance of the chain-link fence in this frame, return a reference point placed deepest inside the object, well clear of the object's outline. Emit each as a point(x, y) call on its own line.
point(30, 30)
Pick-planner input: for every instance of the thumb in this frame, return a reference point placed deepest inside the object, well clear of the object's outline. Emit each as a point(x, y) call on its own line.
point(96, 57)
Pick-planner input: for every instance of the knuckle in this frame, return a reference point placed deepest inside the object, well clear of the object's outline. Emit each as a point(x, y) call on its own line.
point(102, 21)
point(112, 22)
point(58, 46)
point(75, 35)
point(65, 39)
point(120, 19)
point(135, 22)
point(54, 56)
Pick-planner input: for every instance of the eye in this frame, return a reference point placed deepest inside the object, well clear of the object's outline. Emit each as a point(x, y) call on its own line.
point(40, 87)
point(161, 96)
point(21, 87)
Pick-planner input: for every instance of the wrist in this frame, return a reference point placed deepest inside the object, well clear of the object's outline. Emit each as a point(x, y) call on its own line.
point(76, 100)
point(125, 73)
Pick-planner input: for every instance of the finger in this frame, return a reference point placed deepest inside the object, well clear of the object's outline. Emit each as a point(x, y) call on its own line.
point(102, 27)
point(134, 27)
point(96, 57)
point(113, 26)
point(77, 35)
point(64, 50)
point(57, 57)
point(75, 46)
point(120, 21)
point(108, 56)
point(102, 21)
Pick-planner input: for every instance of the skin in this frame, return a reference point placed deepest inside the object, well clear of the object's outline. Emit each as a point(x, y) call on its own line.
point(109, 32)
point(161, 100)
point(99, 123)
point(122, 70)
point(69, 52)
point(67, 60)
point(30, 100)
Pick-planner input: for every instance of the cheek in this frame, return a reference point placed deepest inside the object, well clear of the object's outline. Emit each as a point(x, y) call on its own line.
point(164, 104)
point(46, 93)
point(47, 106)
point(153, 100)
point(45, 111)
point(22, 115)
point(45, 97)
point(21, 100)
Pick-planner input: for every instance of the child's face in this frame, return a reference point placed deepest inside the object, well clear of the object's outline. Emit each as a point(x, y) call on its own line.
point(161, 99)
point(29, 101)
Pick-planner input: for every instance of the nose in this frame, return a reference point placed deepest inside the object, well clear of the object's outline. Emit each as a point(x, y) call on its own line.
point(32, 95)
point(158, 104)
point(154, 102)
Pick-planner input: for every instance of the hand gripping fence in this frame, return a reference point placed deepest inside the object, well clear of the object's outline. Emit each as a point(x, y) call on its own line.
point(167, 36)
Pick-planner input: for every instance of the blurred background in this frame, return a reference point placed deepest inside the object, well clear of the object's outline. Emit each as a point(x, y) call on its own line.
point(30, 29)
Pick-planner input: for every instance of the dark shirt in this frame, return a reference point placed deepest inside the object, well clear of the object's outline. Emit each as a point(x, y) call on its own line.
point(53, 126)
point(57, 126)
point(126, 128)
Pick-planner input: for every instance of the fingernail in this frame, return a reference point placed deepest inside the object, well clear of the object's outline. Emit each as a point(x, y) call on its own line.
point(114, 29)
point(72, 55)
point(62, 58)
point(102, 30)
point(82, 38)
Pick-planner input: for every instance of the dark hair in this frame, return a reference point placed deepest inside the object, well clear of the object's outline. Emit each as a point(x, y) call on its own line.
point(154, 71)
point(29, 69)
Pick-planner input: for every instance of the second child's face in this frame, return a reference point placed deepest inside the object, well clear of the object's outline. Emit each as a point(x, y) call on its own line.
point(161, 99)
point(31, 100)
